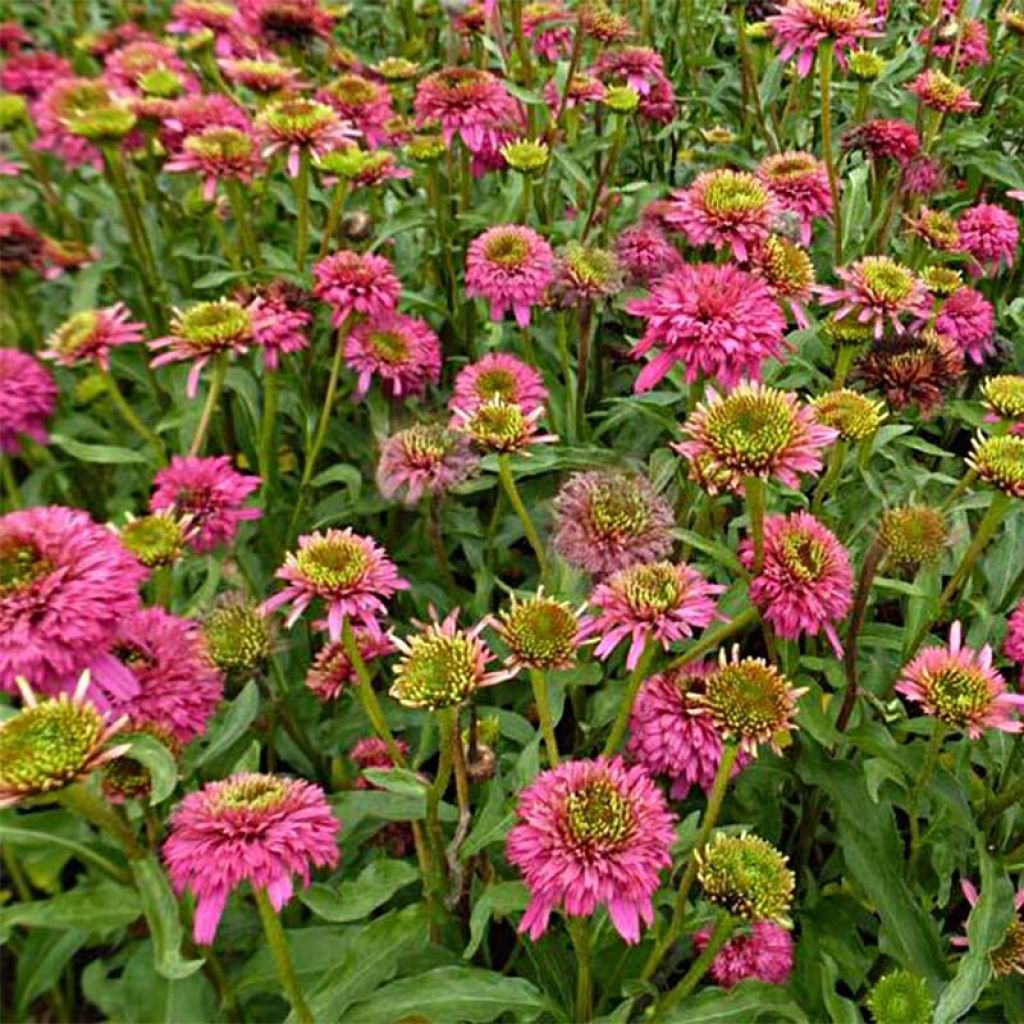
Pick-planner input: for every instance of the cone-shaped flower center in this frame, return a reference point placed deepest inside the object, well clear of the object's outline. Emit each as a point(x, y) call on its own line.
point(650, 589)
point(851, 413)
point(886, 280)
point(226, 144)
point(1000, 460)
point(427, 444)
point(598, 816)
point(297, 120)
point(525, 154)
point(749, 699)
point(154, 540)
point(751, 428)
point(506, 248)
point(848, 331)
point(618, 509)
point(804, 556)
point(237, 637)
point(913, 536)
point(161, 82)
point(213, 326)
point(960, 695)
point(790, 167)
point(734, 192)
point(941, 228)
point(748, 876)
point(942, 88)
point(497, 383)
point(334, 562)
point(81, 99)
point(590, 267)
point(75, 334)
point(439, 671)
point(252, 793)
point(541, 632)
point(1005, 394)
point(20, 564)
point(499, 425)
point(942, 280)
point(901, 998)
point(353, 90)
point(390, 347)
point(1008, 956)
point(789, 268)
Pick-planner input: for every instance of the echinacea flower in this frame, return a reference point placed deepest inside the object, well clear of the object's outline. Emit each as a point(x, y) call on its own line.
point(31, 74)
point(959, 686)
point(590, 834)
point(356, 283)
point(466, 102)
point(915, 368)
point(65, 585)
point(218, 153)
point(643, 70)
point(333, 671)
point(969, 319)
point(1007, 958)
point(855, 416)
point(601, 23)
point(156, 540)
point(912, 536)
point(401, 351)
point(261, 76)
point(799, 181)
point(281, 320)
point(511, 267)
point(1000, 462)
point(668, 735)
point(585, 274)
point(540, 633)
point(1004, 397)
point(764, 953)
point(938, 91)
point(443, 666)
point(66, 107)
point(608, 520)
point(968, 39)
point(656, 602)
point(91, 334)
point(646, 254)
point(51, 744)
point(805, 584)
point(210, 492)
point(547, 26)
point(901, 997)
point(937, 227)
point(581, 88)
point(361, 168)
point(884, 139)
point(193, 114)
point(238, 636)
point(498, 375)
point(286, 22)
point(990, 235)
point(351, 575)
point(263, 829)
point(878, 290)
point(362, 102)
point(719, 322)
point(725, 209)
point(423, 459)
point(298, 126)
point(747, 876)
point(753, 431)
point(28, 396)
point(799, 27)
point(500, 426)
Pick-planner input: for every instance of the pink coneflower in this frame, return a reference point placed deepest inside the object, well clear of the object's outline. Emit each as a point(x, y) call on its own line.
point(467, 102)
point(192, 115)
point(209, 491)
point(65, 103)
point(150, 67)
point(348, 573)
point(641, 69)
point(592, 833)
point(959, 686)
point(806, 582)
point(286, 22)
point(799, 182)
point(923, 176)
point(646, 254)
point(191, 16)
point(28, 396)
point(281, 320)
point(753, 431)
point(725, 209)
point(217, 153)
point(179, 687)
point(501, 427)
point(884, 139)
point(423, 459)
point(548, 27)
point(938, 92)
point(261, 76)
point(968, 318)
point(1014, 645)
point(356, 283)
point(498, 375)
point(585, 274)
point(990, 234)
point(765, 953)
point(372, 752)
point(1006, 957)
point(667, 738)
point(510, 267)
point(720, 322)
point(31, 74)
point(936, 227)
point(656, 601)
point(402, 351)
point(601, 23)
point(878, 290)
point(262, 829)
point(582, 88)
point(13, 38)
point(606, 521)
point(788, 274)
point(333, 672)
point(972, 47)
point(800, 26)
point(363, 102)
point(296, 126)
point(91, 334)
point(66, 584)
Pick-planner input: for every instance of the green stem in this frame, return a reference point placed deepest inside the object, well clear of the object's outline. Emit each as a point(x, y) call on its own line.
point(220, 369)
point(130, 417)
point(719, 936)
point(583, 367)
point(333, 216)
point(512, 492)
point(844, 360)
point(540, 698)
point(753, 489)
point(835, 467)
point(965, 483)
point(930, 758)
point(282, 958)
point(872, 560)
point(579, 932)
point(452, 855)
point(248, 244)
point(268, 427)
point(437, 790)
point(10, 482)
point(636, 677)
point(825, 69)
point(325, 410)
point(713, 638)
point(1011, 795)
point(79, 799)
point(302, 207)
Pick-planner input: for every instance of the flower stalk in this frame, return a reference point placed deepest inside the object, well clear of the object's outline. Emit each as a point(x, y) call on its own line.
point(282, 958)
point(515, 499)
point(636, 677)
point(540, 698)
point(825, 68)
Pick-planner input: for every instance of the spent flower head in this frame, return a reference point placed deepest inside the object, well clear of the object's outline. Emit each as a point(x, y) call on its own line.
point(912, 536)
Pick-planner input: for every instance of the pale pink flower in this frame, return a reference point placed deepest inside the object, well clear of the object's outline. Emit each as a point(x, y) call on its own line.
point(641, 69)
point(401, 351)
point(91, 334)
point(362, 102)
point(800, 26)
point(765, 953)
point(296, 126)
point(217, 153)
point(990, 234)
point(511, 267)
point(877, 290)
point(28, 397)
point(423, 459)
point(799, 181)
point(356, 283)
point(968, 318)
point(498, 375)
point(972, 48)
point(938, 92)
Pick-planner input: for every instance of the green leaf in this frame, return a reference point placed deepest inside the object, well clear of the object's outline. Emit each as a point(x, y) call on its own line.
point(355, 805)
point(500, 899)
point(103, 454)
point(238, 718)
point(13, 835)
point(40, 963)
point(94, 909)
point(469, 995)
point(158, 761)
point(161, 910)
point(352, 901)
point(491, 825)
point(746, 1003)
point(397, 780)
point(159, 1000)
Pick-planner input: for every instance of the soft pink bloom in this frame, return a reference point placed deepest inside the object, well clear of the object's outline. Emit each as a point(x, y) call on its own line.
point(725, 209)
point(969, 319)
point(286, 22)
point(548, 26)
point(467, 102)
point(262, 829)
point(31, 74)
point(190, 16)
point(606, 521)
point(261, 76)
point(372, 752)
point(353, 282)
point(806, 582)
point(656, 601)
point(424, 459)
point(500, 375)
point(179, 687)
point(295, 126)
point(363, 102)
point(720, 322)
point(193, 114)
point(799, 181)
point(511, 267)
point(972, 48)
point(348, 573)
point(583, 88)
point(127, 66)
point(938, 92)
point(799, 27)
point(990, 234)
point(592, 833)
point(923, 176)
point(669, 736)
point(765, 953)
point(1014, 645)
point(501, 426)
point(401, 351)
point(67, 585)
point(55, 109)
point(91, 334)
point(28, 396)
point(281, 321)
point(884, 139)
point(217, 153)
point(877, 290)
point(641, 69)
point(959, 686)
point(646, 254)
point(210, 492)
point(332, 671)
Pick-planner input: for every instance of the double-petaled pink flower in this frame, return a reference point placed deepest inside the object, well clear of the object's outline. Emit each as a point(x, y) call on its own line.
point(468, 103)
point(28, 396)
point(91, 334)
point(1014, 645)
point(356, 283)
point(877, 290)
point(511, 267)
point(764, 953)
point(990, 234)
point(498, 375)
point(402, 352)
point(799, 181)
point(968, 318)
point(799, 27)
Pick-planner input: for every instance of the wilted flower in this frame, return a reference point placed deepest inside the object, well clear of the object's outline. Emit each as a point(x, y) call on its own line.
point(238, 636)
point(257, 828)
point(217, 153)
point(511, 267)
point(467, 102)
point(914, 368)
point(855, 416)
point(541, 633)
point(586, 273)
point(286, 22)
point(1000, 462)
point(799, 181)
point(990, 235)
point(402, 351)
point(333, 671)
point(878, 290)
point(28, 396)
point(800, 26)
point(939, 92)
point(297, 126)
point(498, 375)
point(592, 833)
point(747, 876)
point(356, 283)
point(765, 953)
point(423, 459)
point(91, 334)
point(968, 318)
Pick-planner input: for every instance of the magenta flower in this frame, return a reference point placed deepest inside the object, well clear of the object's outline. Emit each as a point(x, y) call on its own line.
point(718, 321)
point(641, 69)
point(511, 267)
point(218, 153)
point(295, 126)
point(67, 584)
point(971, 47)
point(669, 735)
point(467, 102)
point(286, 22)
point(424, 459)
point(657, 601)
point(582, 88)
point(1014, 645)
point(959, 686)
point(939, 92)
point(362, 102)
point(878, 290)
point(591, 833)
point(968, 318)
point(133, 66)
point(28, 396)
point(281, 321)
point(31, 74)
point(498, 375)
point(885, 139)
point(799, 27)
point(91, 334)
point(990, 234)
point(179, 687)
point(548, 27)
point(353, 282)
point(401, 351)
point(348, 573)
point(806, 582)
point(765, 953)
point(261, 829)
point(261, 76)
point(799, 181)
point(332, 671)
point(646, 254)
point(193, 114)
